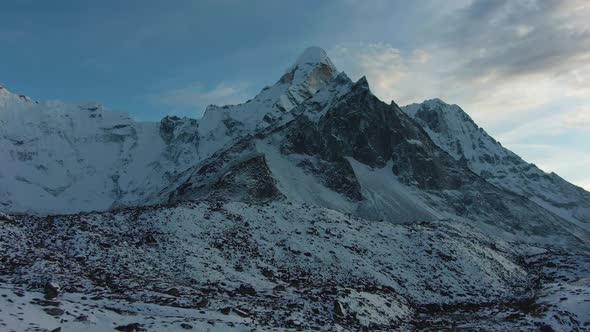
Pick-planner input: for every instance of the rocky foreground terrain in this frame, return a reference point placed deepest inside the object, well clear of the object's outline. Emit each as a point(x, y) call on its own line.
point(241, 266)
point(312, 206)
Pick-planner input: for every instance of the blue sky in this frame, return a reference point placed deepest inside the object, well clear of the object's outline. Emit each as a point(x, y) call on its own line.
point(520, 68)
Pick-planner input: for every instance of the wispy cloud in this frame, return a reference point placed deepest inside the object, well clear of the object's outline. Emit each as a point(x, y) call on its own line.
point(578, 119)
point(498, 58)
point(195, 95)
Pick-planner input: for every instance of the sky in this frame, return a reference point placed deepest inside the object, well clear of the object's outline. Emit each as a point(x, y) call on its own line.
point(520, 68)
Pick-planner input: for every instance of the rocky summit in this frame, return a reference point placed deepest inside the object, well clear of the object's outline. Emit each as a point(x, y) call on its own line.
point(312, 206)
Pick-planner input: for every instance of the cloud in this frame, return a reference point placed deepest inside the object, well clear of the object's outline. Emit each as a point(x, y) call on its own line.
point(541, 129)
point(550, 39)
point(197, 96)
point(578, 119)
point(499, 58)
point(523, 39)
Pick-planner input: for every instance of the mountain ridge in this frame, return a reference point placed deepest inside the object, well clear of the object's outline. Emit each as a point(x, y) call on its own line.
point(498, 165)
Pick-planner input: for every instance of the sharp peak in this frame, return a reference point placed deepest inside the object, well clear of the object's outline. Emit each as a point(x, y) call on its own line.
point(438, 105)
point(362, 83)
point(4, 90)
point(7, 93)
point(313, 55)
point(432, 103)
point(342, 77)
point(435, 100)
point(312, 69)
point(438, 101)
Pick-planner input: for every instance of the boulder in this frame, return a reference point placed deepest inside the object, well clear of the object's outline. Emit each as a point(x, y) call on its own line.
point(51, 290)
point(130, 327)
point(247, 290)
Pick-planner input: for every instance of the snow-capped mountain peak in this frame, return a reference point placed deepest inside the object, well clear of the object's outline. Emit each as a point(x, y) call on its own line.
point(314, 55)
point(137, 159)
point(311, 71)
point(9, 98)
point(454, 131)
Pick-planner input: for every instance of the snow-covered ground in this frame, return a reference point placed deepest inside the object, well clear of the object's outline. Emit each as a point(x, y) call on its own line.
point(276, 265)
point(23, 310)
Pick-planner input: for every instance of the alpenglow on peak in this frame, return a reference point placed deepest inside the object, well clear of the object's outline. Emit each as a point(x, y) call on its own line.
point(312, 70)
point(314, 55)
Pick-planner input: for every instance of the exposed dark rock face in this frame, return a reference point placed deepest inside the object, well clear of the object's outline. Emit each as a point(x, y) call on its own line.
point(364, 128)
point(337, 175)
point(251, 178)
point(51, 290)
point(303, 137)
point(372, 132)
point(6, 218)
point(180, 130)
point(427, 168)
point(54, 311)
point(247, 290)
point(234, 174)
point(339, 310)
point(133, 327)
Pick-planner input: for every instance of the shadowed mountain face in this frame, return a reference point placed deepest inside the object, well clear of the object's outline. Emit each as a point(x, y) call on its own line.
point(343, 177)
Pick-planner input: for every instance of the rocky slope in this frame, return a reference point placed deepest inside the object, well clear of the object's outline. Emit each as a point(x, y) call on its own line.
point(278, 265)
point(281, 265)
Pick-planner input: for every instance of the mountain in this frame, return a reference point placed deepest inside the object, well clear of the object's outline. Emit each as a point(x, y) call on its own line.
point(52, 152)
point(312, 206)
point(351, 152)
point(456, 133)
